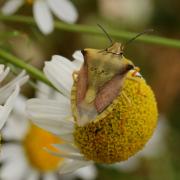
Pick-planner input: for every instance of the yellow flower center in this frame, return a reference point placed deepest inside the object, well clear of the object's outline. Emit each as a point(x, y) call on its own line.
point(34, 143)
point(123, 128)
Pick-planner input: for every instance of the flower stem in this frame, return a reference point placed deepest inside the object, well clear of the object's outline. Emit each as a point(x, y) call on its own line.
point(21, 64)
point(151, 39)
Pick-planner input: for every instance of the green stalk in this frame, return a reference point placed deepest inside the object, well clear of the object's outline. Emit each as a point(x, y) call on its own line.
point(21, 64)
point(93, 30)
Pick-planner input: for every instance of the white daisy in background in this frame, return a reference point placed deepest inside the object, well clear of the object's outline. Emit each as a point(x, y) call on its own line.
point(133, 13)
point(43, 11)
point(9, 93)
point(23, 154)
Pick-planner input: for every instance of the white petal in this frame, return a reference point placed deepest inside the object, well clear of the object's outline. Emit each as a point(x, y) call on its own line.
point(78, 55)
point(15, 165)
point(5, 111)
point(11, 6)
point(13, 169)
point(72, 165)
point(68, 148)
point(10, 151)
point(7, 89)
point(88, 172)
point(63, 61)
point(59, 129)
point(70, 156)
point(47, 109)
point(64, 10)
point(46, 92)
point(3, 73)
point(51, 115)
point(130, 165)
point(78, 59)
point(59, 72)
point(49, 176)
point(17, 124)
point(63, 101)
point(20, 106)
point(32, 175)
point(43, 16)
point(15, 128)
point(67, 137)
point(66, 155)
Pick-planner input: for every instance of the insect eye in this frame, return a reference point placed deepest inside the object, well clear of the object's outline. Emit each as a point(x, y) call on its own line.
point(129, 67)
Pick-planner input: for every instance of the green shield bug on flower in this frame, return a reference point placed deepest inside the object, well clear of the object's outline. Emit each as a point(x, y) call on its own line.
point(114, 109)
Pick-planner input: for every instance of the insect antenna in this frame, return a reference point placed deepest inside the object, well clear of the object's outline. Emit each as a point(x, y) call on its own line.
point(135, 37)
point(105, 32)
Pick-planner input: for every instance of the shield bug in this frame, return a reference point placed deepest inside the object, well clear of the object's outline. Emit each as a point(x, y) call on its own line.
point(114, 108)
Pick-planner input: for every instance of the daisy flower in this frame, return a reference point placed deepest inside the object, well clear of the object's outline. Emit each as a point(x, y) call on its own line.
point(95, 132)
point(43, 10)
point(23, 154)
point(9, 93)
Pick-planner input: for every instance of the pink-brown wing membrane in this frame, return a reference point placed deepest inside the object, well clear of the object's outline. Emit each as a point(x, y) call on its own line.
point(108, 93)
point(82, 83)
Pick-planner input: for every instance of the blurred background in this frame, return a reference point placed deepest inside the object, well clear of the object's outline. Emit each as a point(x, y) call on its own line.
point(160, 66)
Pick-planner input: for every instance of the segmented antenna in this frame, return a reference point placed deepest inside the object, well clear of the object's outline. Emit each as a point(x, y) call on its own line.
point(105, 32)
point(140, 34)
